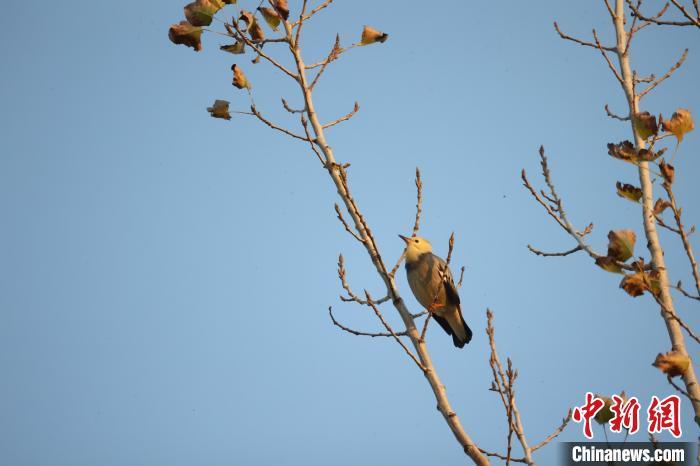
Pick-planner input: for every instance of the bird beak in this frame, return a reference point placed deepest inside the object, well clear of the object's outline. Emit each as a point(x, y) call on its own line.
point(405, 238)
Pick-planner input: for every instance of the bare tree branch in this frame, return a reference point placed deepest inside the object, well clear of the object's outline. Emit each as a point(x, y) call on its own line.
point(554, 254)
point(344, 118)
point(357, 332)
point(663, 78)
point(313, 12)
point(372, 304)
point(679, 287)
point(503, 383)
point(683, 234)
point(274, 126)
point(665, 300)
point(579, 41)
point(615, 116)
point(416, 223)
point(332, 55)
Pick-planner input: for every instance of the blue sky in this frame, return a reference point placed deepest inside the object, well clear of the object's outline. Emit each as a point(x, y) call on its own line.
point(165, 277)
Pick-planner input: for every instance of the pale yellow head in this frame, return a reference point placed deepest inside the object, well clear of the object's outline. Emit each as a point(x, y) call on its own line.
point(415, 246)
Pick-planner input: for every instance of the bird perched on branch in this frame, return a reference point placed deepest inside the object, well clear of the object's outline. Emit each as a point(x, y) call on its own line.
point(431, 281)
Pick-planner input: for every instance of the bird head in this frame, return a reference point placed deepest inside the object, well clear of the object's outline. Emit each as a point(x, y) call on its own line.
point(415, 246)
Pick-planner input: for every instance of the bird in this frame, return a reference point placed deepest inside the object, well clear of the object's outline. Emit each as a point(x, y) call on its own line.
point(439, 297)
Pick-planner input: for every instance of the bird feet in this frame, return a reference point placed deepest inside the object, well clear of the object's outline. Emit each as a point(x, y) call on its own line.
point(435, 307)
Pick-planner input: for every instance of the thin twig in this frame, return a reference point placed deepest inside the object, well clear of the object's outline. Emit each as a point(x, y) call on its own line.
point(314, 11)
point(554, 434)
point(615, 116)
point(345, 224)
point(675, 317)
point(554, 254)
point(241, 36)
point(372, 304)
point(607, 59)
point(503, 383)
point(559, 213)
point(352, 297)
point(274, 126)
point(679, 389)
point(666, 76)
point(579, 41)
point(332, 55)
point(694, 20)
point(344, 118)
point(290, 109)
point(679, 287)
point(682, 233)
point(425, 326)
point(312, 142)
point(357, 332)
point(416, 223)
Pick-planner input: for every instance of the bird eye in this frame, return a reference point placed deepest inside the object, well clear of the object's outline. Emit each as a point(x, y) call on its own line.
point(415, 240)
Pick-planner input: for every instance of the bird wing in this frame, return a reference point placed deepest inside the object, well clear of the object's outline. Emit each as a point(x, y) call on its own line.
point(449, 284)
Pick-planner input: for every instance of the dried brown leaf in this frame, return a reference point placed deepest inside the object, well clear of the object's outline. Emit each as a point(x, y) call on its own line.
point(282, 8)
point(627, 152)
point(256, 32)
point(201, 12)
point(628, 191)
point(645, 124)
point(239, 79)
point(186, 34)
point(667, 171)
point(608, 264)
point(237, 48)
point(371, 35)
point(272, 18)
point(672, 363)
point(247, 17)
point(681, 122)
point(660, 205)
point(621, 244)
point(220, 109)
point(634, 284)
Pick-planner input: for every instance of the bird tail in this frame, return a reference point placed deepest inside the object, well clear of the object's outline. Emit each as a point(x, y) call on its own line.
point(461, 333)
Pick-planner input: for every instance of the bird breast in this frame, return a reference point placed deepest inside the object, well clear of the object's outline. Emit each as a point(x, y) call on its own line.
point(424, 279)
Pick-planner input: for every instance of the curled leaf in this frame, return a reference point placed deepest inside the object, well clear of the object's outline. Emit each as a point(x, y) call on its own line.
point(247, 17)
point(627, 152)
point(681, 122)
point(272, 18)
point(628, 191)
point(637, 283)
point(254, 29)
point(256, 32)
point(282, 8)
point(371, 35)
point(667, 171)
point(201, 12)
point(239, 79)
point(634, 284)
point(621, 244)
point(660, 205)
point(608, 264)
point(672, 363)
point(186, 34)
point(237, 48)
point(220, 109)
point(645, 124)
